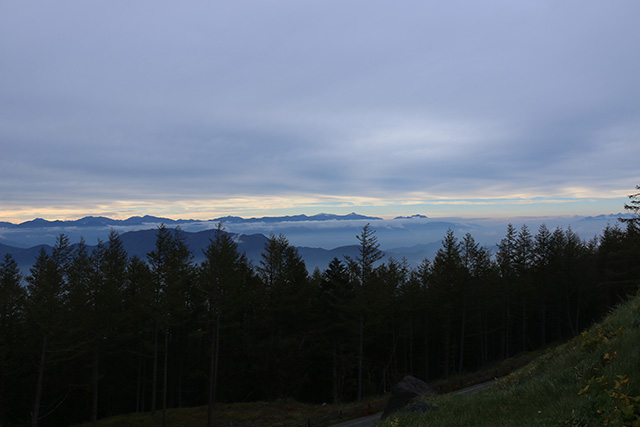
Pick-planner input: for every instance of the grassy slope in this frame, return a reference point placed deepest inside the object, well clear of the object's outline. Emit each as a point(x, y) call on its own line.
point(592, 380)
point(262, 414)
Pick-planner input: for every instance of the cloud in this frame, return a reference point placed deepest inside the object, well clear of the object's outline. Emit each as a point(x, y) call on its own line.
point(154, 105)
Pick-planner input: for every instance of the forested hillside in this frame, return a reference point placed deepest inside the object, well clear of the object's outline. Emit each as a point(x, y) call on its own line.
point(102, 333)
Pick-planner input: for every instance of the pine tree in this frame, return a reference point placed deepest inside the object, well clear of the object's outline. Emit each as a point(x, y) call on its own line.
point(506, 259)
point(446, 278)
point(139, 314)
point(110, 261)
point(542, 276)
point(523, 262)
point(369, 253)
point(336, 299)
point(634, 207)
point(221, 279)
point(47, 286)
point(12, 318)
point(172, 274)
point(289, 309)
point(422, 275)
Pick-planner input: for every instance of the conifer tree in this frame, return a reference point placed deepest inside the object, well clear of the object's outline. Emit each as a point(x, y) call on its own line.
point(506, 257)
point(172, 274)
point(446, 278)
point(289, 298)
point(336, 299)
point(12, 317)
point(369, 253)
point(110, 261)
point(221, 278)
point(139, 312)
point(542, 276)
point(422, 275)
point(634, 207)
point(47, 286)
point(523, 262)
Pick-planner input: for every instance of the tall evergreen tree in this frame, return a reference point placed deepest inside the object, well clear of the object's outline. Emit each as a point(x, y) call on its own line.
point(172, 272)
point(506, 259)
point(446, 278)
point(222, 276)
point(106, 304)
point(139, 313)
point(542, 276)
point(12, 317)
point(634, 207)
point(422, 275)
point(523, 262)
point(336, 299)
point(289, 305)
point(368, 253)
point(47, 287)
point(469, 252)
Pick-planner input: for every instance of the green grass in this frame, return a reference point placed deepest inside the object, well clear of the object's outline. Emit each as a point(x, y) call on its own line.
point(271, 414)
point(592, 380)
point(496, 370)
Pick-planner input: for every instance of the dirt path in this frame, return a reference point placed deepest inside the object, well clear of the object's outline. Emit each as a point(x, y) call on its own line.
point(371, 420)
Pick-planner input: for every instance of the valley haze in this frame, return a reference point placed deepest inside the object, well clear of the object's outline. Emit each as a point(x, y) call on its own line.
point(319, 238)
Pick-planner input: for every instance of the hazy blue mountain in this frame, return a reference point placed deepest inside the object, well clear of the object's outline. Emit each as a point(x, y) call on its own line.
point(296, 218)
point(25, 257)
point(100, 221)
point(610, 217)
point(140, 243)
point(319, 238)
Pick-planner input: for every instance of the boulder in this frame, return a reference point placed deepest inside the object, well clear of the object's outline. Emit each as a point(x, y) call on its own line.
point(418, 407)
point(404, 392)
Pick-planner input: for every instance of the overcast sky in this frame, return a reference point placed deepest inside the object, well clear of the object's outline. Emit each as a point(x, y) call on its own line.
point(200, 109)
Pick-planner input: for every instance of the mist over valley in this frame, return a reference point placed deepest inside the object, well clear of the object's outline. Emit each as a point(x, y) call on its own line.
point(319, 238)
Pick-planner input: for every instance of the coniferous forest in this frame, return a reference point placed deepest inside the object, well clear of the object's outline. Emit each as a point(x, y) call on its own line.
point(89, 334)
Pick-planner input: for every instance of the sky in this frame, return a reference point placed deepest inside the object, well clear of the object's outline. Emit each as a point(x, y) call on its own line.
point(203, 109)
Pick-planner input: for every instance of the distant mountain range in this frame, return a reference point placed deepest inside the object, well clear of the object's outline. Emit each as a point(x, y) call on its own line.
point(101, 221)
point(319, 238)
point(140, 243)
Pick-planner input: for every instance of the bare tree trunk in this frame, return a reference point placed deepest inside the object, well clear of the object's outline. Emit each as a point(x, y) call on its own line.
point(543, 324)
point(154, 378)
point(164, 377)
point(36, 403)
point(484, 346)
point(334, 372)
point(462, 333)
point(572, 328)
point(577, 322)
point(447, 344)
point(139, 384)
point(524, 324)
point(360, 357)
point(411, 347)
point(94, 380)
point(215, 367)
point(213, 371)
point(426, 339)
point(507, 330)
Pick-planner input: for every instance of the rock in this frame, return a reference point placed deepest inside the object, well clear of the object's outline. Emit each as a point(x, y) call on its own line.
point(403, 392)
point(419, 407)
point(413, 385)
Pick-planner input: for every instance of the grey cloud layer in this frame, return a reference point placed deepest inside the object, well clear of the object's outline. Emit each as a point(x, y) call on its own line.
point(158, 99)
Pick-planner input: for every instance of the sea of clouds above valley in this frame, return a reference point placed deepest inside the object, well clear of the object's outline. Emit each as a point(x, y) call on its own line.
point(391, 233)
